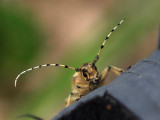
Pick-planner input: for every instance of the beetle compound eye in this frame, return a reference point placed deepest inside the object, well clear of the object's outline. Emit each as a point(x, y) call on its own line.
point(84, 74)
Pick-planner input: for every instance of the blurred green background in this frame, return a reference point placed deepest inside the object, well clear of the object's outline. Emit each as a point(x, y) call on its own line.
point(67, 32)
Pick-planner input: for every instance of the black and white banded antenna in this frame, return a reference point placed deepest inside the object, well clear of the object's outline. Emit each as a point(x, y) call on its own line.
point(104, 42)
point(45, 65)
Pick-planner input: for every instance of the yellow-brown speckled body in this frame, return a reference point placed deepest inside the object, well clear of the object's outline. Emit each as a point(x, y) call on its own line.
point(86, 80)
point(81, 84)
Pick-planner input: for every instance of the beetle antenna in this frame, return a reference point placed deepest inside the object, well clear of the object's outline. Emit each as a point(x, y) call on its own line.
point(45, 65)
point(102, 46)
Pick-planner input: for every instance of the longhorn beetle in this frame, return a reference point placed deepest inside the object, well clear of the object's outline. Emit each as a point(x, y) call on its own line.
point(86, 78)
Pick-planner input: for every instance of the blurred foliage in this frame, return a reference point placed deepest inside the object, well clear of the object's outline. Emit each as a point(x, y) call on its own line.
point(20, 41)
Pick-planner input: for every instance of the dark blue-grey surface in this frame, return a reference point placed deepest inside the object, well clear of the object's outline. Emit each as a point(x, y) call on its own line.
point(138, 89)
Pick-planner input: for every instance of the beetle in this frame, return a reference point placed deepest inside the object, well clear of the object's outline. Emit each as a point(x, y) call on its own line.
point(87, 77)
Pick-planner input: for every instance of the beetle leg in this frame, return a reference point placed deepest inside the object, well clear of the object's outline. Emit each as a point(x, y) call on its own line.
point(116, 70)
point(113, 69)
point(71, 99)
